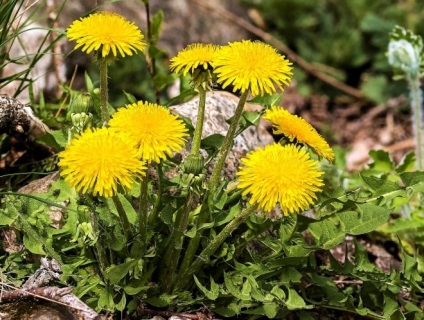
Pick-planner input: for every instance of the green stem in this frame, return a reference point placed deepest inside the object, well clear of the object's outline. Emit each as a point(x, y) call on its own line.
point(206, 254)
point(213, 183)
point(142, 214)
point(197, 138)
point(193, 245)
point(123, 216)
point(100, 249)
point(416, 101)
point(104, 91)
point(225, 148)
point(173, 251)
point(153, 215)
point(151, 61)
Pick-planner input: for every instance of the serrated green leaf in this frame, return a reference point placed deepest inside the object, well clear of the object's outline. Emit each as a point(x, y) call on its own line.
point(130, 97)
point(290, 275)
point(66, 191)
point(362, 263)
point(288, 227)
point(267, 100)
point(57, 139)
point(295, 301)
point(106, 300)
point(7, 217)
point(163, 300)
point(191, 233)
point(407, 163)
point(391, 306)
point(230, 310)
point(117, 272)
point(213, 141)
point(120, 306)
point(131, 214)
point(252, 118)
point(368, 219)
point(412, 178)
point(382, 161)
point(278, 293)
point(33, 245)
point(167, 214)
point(327, 234)
point(410, 268)
point(223, 217)
point(231, 287)
point(270, 309)
point(246, 290)
point(210, 294)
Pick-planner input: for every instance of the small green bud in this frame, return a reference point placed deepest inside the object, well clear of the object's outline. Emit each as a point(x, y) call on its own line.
point(194, 164)
point(82, 103)
point(403, 55)
point(81, 121)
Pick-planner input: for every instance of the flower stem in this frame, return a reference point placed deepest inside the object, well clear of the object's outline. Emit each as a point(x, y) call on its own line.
point(193, 245)
point(151, 61)
point(104, 91)
point(195, 147)
point(123, 216)
point(154, 213)
point(100, 249)
point(417, 119)
point(206, 254)
point(142, 214)
point(213, 182)
point(172, 255)
point(225, 148)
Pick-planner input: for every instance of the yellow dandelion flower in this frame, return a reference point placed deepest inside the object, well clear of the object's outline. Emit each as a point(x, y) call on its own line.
point(194, 56)
point(154, 129)
point(293, 127)
point(106, 31)
point(253, 66)
point(280, 174)
point(99, 160)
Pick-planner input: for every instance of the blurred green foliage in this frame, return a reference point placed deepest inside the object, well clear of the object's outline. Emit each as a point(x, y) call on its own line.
point(346, 39)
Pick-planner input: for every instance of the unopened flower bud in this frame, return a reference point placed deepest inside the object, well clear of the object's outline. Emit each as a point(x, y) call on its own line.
point(194, 164)
point(81, 120)
point(82, 103)
point(403, 55)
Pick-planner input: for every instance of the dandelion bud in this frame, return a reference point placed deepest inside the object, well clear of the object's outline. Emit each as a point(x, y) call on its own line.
point(403, 55)
point(81, 120)
point(194, 164)
point(82, 104)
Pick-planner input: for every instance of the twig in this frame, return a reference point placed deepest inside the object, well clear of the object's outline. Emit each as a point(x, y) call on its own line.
point(52, 293)
point(282, 47)
point(62, 296)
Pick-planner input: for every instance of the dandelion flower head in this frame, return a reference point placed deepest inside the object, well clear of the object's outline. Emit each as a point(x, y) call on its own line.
point(283, 175)
point(293, 127)
point(253, 66)
point(99, 160)
point(156, 132)
point(106, 32)
point(196, 55)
